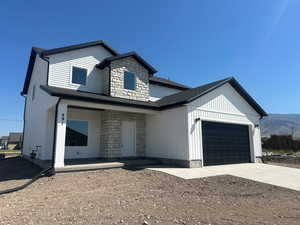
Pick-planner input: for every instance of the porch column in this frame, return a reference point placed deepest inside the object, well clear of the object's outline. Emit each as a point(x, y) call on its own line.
point(61, 121)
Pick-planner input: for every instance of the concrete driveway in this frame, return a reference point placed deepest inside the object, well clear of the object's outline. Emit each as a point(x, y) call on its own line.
point(275, 175)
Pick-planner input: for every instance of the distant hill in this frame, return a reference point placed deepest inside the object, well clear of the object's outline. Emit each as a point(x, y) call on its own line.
point(281, 124)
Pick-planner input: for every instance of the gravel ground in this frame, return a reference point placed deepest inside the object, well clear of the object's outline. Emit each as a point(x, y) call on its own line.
point(16, 171)
point(284, 164)
point(120, 196)
point(287, 161)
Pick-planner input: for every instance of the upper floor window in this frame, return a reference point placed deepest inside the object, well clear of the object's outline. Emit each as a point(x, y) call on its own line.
point(79, 75)
point(129, 80)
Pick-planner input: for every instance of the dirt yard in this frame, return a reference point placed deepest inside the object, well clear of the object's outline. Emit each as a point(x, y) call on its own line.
point(287, 161)
point(284, 164)
point(120, 196)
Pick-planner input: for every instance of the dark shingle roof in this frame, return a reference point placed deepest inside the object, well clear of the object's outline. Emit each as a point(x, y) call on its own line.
point(108, 60)
point(188, 95)
point(43, 52)
point(166, 102)
point(167, 83)
point(98, 98)
point(80, 46)
point(194, 93)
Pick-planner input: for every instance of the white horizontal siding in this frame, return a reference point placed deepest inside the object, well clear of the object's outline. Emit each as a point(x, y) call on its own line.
point(60, 68)
point(36, 117)
point(221, 105)
point(156, 92)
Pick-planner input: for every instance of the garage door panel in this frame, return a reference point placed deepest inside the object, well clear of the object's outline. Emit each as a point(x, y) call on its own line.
point(225, 143)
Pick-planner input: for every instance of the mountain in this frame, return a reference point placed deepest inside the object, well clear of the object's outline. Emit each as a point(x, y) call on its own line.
point(281, 124)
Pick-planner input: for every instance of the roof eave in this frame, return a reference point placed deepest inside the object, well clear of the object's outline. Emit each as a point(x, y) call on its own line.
point(248, 97)
point(30, 66)
point(164, 84)
point(106, 62)
point(106, 102)
point(240, 90)
point(80, 46)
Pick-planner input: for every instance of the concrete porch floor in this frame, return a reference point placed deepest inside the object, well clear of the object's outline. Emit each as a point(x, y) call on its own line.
point(94, 164)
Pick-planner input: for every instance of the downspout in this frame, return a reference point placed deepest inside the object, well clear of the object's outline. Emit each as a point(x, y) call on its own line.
point(24, 122)
point(54, 137)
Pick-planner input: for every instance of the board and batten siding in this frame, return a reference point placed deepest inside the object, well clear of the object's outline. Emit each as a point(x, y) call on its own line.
point(60, 68)
point(166, 134)
point(156, 92)
point(222, 105)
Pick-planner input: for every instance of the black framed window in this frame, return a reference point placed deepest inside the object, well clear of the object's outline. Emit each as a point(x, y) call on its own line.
point(77, 133)
point(129, 80)
point(79, 75)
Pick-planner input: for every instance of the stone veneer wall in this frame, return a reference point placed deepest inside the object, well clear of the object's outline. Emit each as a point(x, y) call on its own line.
point(111, 133)
point(118, 67)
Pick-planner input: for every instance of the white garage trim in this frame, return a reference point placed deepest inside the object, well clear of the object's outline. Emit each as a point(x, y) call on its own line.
point(223, 105)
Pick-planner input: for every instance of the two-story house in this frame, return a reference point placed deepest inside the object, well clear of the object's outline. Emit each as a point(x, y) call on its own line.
point(89, 101)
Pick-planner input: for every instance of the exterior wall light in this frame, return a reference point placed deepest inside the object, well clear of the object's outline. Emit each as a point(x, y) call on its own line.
point(62, 118)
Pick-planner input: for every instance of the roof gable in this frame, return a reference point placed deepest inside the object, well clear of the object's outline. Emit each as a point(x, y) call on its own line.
point(106, 62)
point(195, 93)
point(224, 99)
point(79, 46)
point(43, 53)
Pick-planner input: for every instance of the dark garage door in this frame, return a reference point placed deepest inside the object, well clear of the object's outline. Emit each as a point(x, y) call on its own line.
point(225, 143)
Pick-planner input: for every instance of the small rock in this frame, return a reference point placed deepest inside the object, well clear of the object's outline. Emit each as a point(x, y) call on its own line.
point(145, 222)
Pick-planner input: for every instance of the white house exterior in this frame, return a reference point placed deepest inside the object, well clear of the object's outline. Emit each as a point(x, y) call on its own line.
point(88, 101)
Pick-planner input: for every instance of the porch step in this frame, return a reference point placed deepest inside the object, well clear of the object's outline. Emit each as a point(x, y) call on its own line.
point(107, 165)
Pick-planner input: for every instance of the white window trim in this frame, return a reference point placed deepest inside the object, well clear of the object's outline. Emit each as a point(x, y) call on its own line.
point(71, 76)
point(88, 134)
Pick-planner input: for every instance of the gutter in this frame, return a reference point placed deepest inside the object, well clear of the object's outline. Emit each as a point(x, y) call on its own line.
point(24, 122)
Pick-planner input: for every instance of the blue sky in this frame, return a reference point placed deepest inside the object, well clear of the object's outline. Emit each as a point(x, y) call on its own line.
point(192, 42)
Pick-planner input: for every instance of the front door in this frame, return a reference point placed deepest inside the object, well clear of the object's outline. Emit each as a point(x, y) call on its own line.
point(128, 139)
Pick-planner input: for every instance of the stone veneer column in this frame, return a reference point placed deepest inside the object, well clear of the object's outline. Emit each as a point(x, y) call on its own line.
point(111, 133)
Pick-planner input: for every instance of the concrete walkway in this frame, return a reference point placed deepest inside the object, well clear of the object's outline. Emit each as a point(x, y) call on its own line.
point(275, 175)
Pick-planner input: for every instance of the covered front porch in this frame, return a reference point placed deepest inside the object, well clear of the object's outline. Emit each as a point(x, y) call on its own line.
point(88, 134)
